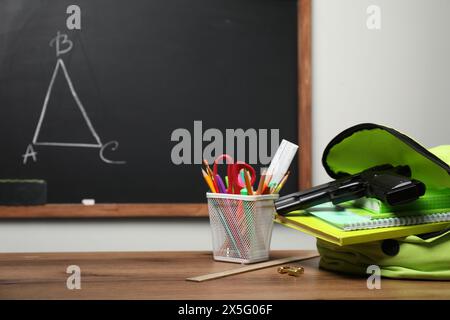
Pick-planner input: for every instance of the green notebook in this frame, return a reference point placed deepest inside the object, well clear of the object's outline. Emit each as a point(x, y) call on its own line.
point(320, 229)
point(349, 218)
point(433, 201)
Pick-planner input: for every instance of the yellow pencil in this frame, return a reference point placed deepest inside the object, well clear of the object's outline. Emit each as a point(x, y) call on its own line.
point(208, 169)
point(282, 182)
point(209, 181)
point(210, 174)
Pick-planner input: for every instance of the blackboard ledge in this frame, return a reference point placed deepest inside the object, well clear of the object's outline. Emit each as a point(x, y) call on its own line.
point(110, 210)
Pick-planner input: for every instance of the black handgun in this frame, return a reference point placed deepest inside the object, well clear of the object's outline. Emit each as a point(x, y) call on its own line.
point(390, 184)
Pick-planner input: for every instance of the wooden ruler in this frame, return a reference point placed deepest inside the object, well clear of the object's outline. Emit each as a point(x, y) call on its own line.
point(252, 267)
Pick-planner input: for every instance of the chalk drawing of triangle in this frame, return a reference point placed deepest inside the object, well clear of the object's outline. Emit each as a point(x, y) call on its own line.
point(98, 144)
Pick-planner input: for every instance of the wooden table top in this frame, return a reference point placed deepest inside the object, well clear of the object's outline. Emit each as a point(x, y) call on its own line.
point(162, 275)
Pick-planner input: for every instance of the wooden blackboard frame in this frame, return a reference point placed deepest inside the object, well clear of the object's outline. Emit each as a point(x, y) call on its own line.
point(170, 210)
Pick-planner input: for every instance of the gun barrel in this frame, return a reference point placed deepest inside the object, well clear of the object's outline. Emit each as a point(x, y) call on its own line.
point(389, 184)
point(336, 192)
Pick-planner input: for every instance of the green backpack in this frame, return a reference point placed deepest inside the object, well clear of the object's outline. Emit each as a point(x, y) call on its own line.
point(414, 257)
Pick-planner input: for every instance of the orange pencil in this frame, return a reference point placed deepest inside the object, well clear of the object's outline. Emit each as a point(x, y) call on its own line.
point(261, 184)
point(248, 185)
point(266, 188)
point(209, 181)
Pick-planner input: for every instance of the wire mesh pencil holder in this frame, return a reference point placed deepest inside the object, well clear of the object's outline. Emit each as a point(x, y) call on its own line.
point(241, 226)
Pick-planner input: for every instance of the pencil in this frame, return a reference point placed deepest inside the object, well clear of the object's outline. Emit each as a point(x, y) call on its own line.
point(208, 181)
point(266, 184)
point(261, 184)
point(248, 185)
point(282, 182)
point(272, 187)
point(221, 186)
point(210, 174)
point(208, 169)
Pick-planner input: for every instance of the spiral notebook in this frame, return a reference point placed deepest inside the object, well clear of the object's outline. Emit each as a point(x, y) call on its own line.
point(318, 228)
point(433, 200)
point(348, 218)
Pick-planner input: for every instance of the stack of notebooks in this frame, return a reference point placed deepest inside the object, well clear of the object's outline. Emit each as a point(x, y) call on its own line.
point(369, 219)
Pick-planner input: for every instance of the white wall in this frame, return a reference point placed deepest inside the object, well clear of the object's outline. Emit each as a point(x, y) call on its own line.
point(398, 76)
point(124, 235)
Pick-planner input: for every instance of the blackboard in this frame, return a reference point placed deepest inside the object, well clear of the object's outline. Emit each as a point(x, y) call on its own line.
point(140, 70)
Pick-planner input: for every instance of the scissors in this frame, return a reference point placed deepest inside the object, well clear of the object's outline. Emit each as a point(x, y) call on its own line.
point(233, 171)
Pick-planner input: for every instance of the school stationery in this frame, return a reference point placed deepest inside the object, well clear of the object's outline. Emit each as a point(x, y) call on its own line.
point(281, 184)
point(208, 181)
point(253, 267)
point(241, 219)
point(248, 184)
point(261, 183)
point(349, 218)
point(241, 175)
point(323, 230)
point(233, 171)
point(249, 220)
point(211, 175)
point(266, 186)
point(208, 169)
point(432, 201)
point(281, 161)
point(220, 184)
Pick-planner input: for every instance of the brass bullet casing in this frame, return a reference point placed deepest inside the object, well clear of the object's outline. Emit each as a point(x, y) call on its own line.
point(292, 271)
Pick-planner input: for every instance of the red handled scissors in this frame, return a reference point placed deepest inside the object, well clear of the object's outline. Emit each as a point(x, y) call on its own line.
point(233, 172)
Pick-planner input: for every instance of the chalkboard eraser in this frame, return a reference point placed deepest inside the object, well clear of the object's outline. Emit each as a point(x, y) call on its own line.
point(23, 192)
